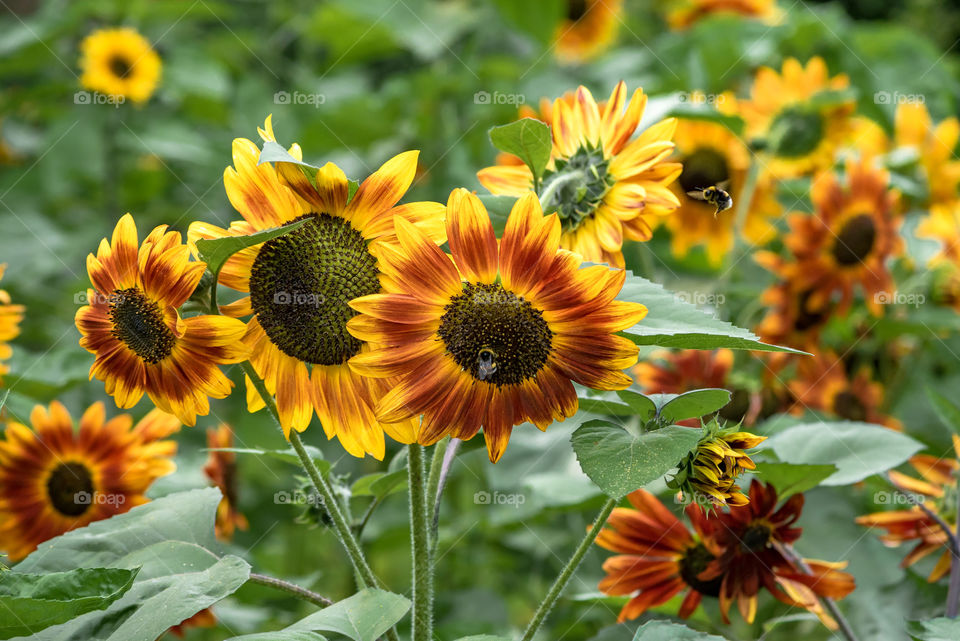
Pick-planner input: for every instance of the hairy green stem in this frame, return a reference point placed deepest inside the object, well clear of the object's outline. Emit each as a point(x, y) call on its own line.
point(442, 476)
point(567, 572)
point(290, 588)
point(420, 539)
point(433, 485)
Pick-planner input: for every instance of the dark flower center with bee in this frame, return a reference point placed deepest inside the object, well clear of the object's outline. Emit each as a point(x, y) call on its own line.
point(575, 187)
point(694, 561)
point(848, 405)
point(120, 66)
point(703, 168)
point(495, 335)
point(301, 285)
point(756, 537)
point(795, 132)
point(855, 240)
point(139, 324)
point(576, 9)
point(70, 488)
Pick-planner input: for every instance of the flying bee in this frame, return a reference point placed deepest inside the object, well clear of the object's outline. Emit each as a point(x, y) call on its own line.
point(486, 363)
point(716, 195)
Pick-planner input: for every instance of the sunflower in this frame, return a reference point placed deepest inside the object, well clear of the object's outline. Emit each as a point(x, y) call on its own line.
point(203, 619)
point(587, 30)
point(119, 62)
point(711, 154)
point(942, 224)
point(754, 538)
point(603, 185)
point(796, 310)
point(221, 468)
point(824, 384)
point(300, 285)
point(711, 470)
point(657, 556)
point(800, 133)
point(54, 479)
point(133, 327)
point(676, 372)
point(692, 11)
point(493, 336)
point(937, 489)
point(10, 317)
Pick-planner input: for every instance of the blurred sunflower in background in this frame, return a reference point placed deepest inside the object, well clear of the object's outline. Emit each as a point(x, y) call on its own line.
point(300, 285)
point(679, 371)
point(797, 310)
point(588, 29)
point(221, 469)
point(690, 11)
point(942, 224)
point(54, 479)
point(494, 335)
point(603, 185)
point(142, 344)
point(10, 317)
point(119, 62)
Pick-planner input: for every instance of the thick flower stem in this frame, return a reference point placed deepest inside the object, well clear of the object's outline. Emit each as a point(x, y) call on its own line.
point(567, 573)
point(420, 537)
point(434, 485)
point(290, 588)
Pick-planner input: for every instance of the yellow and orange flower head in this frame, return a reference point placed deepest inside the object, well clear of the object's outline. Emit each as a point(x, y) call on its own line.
point(657, 556)
point(942, 224)
point(605, 187)
point(937, 487)
point(801, 135)
point(587, 30)
point(712, 155)
point(54, 478)
point(10, 317)
point(822, 383)
point(494, 335)
point(691, 11)
point(710, 472)
point(142, 344)
point(300, 284)
point(850, 237)
point(221, 469)
point(753, 537)
point(119, 63)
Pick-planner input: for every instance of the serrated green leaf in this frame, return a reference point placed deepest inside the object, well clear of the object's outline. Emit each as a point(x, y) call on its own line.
point(215, 251)
point(620, 462)
point(363, 617)
point(666, 631)
point(528, 139)
point(939, 629)
point(946, 411)
point(642, 405)
point(694, 404)
point(792, 478)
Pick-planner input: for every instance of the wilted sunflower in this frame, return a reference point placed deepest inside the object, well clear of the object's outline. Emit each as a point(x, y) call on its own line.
point(800, 134)
point(937, 491)
point(753, 537)
point(133, 327)
point(119, 62)
point(588, 29)
point(711, 470)
point(493, 336)
point(54, 479)
point(221, 468)
point(658, 557)
point(10, 317)
point(692, 11)
point(603, 185)
point(712, 155)
point(301, 284)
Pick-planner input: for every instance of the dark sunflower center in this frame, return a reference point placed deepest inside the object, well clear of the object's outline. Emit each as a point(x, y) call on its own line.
point(120, 66)
point(495, 335)
point(756, 537)
point(847, 405)
point(301, 285)
point(855, 241)
point(575, 187)
point(808, 318)
point(138, 323)
point(703, 168)
point(795, 132)
point(70, 488)
point(694, 561)
point(576, 9)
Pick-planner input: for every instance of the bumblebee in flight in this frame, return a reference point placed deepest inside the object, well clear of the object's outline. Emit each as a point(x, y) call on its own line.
point(716, 195)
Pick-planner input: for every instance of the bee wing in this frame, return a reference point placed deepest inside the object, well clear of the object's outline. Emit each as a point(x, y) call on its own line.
point(697, 194)
point(725, 185)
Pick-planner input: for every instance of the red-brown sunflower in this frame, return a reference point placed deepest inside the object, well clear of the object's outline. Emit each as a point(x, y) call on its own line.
point(10, 317)
point(221, 468)
point(300, 285)
point(494, 335)
point(142, 344)
point(54, 478)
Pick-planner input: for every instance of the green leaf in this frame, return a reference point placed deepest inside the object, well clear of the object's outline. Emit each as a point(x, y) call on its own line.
point(528, 139)
point(947, 412)
point(42, 600)
point(539, 19)
point(484, 637)
point(671, 322)
point(939, 629)
point(694, 404)
point(858, 450)
point(281, 635)
point(499, 208)
point(380, 484)
point(791, 478)
point(215, 252)
point(643, 405)
point(287, 456)
point(171, 540)
point(363, 617)
point(274, 152)
point(620, 462)
point(666, 631)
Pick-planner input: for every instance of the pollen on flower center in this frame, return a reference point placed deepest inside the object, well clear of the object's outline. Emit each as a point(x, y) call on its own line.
point(694, 561)
point(855, 240)
point(703, 168)
point(120, 67)
point(301, 285)
point(495, 335)
point(138, 322)
point(578, 185)
point(795, 132)
point(65, 483)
